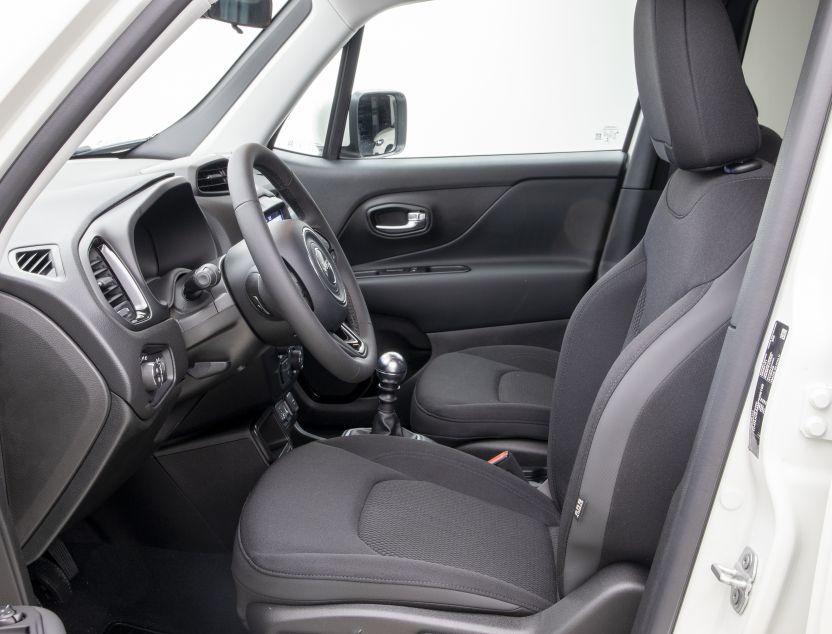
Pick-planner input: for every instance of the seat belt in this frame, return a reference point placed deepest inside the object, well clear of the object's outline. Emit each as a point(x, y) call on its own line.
point(506, 461)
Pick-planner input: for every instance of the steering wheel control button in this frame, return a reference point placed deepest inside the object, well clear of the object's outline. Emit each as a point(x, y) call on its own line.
point(154, 373)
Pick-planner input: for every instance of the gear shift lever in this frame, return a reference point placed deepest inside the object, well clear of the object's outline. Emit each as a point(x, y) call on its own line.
point(391, 370)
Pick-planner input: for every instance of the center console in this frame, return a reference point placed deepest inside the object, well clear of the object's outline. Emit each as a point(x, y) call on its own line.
point(200, 481)
point(272, 431)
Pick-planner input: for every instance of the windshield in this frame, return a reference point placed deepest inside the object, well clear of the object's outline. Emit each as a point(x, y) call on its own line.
point(176, 82)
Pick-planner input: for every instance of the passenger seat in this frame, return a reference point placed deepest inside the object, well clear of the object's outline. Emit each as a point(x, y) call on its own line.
point(500, 392)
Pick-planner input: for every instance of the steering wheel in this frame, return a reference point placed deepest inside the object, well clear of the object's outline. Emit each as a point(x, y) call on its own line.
point(306, 275)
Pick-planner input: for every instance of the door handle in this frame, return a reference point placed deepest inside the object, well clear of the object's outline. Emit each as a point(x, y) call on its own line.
point(416, 220)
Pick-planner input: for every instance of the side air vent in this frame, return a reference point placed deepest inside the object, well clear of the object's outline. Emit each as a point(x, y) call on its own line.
point(42, 261)
point(117, 284)
point(212, 179)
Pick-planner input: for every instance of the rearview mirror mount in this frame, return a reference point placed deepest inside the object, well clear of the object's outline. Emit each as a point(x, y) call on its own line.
point(254, 13)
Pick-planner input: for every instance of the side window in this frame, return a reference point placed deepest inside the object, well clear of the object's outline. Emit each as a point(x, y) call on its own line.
point(304, 130)
point(484, 77)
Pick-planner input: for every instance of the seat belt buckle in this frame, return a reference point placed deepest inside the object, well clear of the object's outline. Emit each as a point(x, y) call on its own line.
point(506, 461)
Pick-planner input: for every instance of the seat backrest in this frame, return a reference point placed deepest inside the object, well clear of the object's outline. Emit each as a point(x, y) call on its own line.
point(641, 348)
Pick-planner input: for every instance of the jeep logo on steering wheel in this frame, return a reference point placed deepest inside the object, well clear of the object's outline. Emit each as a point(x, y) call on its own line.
point(324, 265)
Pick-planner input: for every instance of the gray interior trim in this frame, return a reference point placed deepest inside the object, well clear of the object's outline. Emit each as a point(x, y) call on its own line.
point(685, 527)
point(586, 535)
point(87, 93)
point(184, 136)
point(606, 603)
point(37, 354)
point(298, 590)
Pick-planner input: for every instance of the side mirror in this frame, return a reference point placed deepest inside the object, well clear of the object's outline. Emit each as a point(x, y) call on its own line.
point(377, 124)
point(256, 13)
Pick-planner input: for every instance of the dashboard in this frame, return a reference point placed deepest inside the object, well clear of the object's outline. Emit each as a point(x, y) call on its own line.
point(106, 341)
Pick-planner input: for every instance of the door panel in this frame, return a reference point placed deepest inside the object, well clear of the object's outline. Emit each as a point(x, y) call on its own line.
point(338, 186)
point(512, 239)
point(513, 243)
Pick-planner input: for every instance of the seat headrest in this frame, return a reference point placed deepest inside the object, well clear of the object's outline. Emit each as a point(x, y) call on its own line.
point(696, 104)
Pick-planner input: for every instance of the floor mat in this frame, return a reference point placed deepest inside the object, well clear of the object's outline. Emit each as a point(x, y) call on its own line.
point(151, 591)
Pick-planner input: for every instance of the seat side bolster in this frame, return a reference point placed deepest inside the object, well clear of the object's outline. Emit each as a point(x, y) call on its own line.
point(635, 379)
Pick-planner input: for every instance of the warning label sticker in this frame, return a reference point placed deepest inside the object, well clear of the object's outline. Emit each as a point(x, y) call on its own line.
point(768, 368)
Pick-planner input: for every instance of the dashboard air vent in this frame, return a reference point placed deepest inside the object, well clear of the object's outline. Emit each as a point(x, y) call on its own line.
point(117, 284)
point(212, 179)
point(37, 261)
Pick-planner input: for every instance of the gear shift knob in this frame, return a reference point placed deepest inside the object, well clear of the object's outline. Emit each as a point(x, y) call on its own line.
point(391, 369)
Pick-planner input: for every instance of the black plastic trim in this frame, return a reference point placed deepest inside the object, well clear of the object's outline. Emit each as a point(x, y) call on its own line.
point(341, 101)
point(741, 14)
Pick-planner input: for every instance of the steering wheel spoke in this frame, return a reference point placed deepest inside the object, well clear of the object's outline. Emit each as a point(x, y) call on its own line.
point(348, 338)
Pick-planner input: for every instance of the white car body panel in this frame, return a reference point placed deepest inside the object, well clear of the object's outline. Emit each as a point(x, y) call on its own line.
point(780, 504)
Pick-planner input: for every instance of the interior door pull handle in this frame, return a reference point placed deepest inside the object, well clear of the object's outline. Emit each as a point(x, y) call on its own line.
point(416, 221)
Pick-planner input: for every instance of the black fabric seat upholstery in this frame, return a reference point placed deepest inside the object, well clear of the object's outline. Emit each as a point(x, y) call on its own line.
point(492, 392)
point(376, 520)
point(402, 521)
point(486, 392)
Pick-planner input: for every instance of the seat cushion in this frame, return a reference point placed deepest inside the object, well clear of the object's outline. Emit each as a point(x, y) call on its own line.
point(377, 519)
point(487, 392)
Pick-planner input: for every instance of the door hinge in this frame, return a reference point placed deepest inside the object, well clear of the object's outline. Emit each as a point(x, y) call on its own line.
point(740, 578)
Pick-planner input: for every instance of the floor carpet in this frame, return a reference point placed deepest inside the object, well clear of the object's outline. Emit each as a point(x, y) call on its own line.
point(142, 590)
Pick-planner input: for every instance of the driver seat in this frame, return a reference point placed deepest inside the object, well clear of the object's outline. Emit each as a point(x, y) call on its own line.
point(389, 534)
